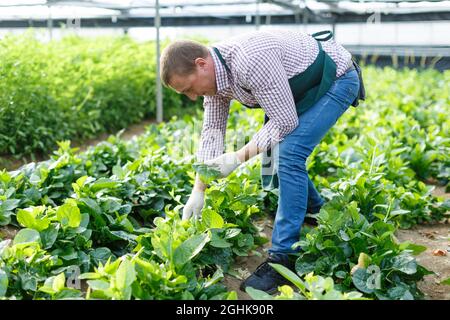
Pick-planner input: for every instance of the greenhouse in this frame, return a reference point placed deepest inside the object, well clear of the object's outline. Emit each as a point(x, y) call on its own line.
point(225, 150)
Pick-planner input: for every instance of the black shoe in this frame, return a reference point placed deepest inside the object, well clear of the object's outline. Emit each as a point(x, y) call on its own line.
point(311, 219)
point(311, 216)
point(266, 278)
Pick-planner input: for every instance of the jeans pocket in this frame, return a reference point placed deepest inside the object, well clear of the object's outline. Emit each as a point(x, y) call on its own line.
point(345, 89)
point(352, 86)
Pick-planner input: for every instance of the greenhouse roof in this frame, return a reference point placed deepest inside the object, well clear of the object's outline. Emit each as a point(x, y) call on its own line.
point(22, 10)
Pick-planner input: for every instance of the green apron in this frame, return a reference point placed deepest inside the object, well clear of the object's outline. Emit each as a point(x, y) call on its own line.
point(307, 88)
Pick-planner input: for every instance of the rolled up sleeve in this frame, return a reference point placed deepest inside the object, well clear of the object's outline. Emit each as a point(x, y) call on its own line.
point(216, 110)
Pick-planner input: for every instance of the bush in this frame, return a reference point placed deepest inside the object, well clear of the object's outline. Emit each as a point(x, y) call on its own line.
point(74, 89)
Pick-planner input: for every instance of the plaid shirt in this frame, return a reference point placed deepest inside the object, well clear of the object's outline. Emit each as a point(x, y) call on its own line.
point(261, 63)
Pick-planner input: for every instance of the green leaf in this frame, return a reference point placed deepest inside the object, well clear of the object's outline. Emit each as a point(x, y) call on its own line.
point(207, 173)
point(256, 294)
point(212, 219)
point(415, 248)
point(219, 242)
point(216, 277)
point(189, 249)
point(245, 240)
point(289, 275)
point(26, 236)
point(361, 280)
point(405, 263)
point(124, 235)
point(217, 197)
point(399, 212)
point(186, 295)
point(48, 236)
point(232, 296)
point(26, 218)
point(364, 260)
point(232, 232)
point(29, 218)
point(69, 215)
point(101, 254)
point(66, 253)
point(3, 245)
point(95, 210)
point(100, 285)
point(28, 281)
point(303, 267)
point(10, 204)
point(59, 282)
point(125, 275)
point(344, 235)
point(104, 183)
point(3, 283)
point(400, 293)
point(446, 281)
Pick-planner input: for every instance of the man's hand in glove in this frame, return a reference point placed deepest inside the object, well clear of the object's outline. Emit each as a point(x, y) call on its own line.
point(226, 163)
point(194, 205)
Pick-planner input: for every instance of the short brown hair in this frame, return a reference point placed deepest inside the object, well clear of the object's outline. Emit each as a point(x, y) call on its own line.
point(178, 58)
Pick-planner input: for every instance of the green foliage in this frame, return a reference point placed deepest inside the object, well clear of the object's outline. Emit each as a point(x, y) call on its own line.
point(113, 210)
point(207, 173)
point(312, 288)
point(74, 88)
point(361, 253)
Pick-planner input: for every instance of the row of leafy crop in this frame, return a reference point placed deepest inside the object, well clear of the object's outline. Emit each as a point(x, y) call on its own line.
point(357, 228)
point(408, 108)
point(75, 88)
point(369, 169)
point(118, 224)
point(94, 228)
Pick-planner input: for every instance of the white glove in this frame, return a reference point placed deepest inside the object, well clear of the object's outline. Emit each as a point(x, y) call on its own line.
point(225, 163)
point(194, 205)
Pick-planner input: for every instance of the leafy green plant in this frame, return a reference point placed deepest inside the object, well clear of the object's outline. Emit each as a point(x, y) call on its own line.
point(73, 88)
point(207, 173)
point(313, 288)
point(113, 210)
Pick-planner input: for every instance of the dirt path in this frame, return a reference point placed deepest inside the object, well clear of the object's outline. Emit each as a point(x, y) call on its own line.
point(130, 132)
point(244, 266)
point(434, 236)
point(10, 163)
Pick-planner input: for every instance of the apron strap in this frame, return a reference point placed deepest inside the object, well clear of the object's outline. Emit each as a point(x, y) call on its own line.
point(222, 60)
point(320, 33)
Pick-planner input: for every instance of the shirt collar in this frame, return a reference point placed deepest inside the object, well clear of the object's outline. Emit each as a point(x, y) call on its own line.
point(221, 73)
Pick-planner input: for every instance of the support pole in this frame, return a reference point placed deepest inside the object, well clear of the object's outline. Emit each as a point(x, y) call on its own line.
point(50, 23)
point(257, 15)
point(159, 102)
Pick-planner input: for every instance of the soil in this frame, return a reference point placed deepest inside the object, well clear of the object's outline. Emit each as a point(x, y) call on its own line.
point(433, 236)
point(8, 232)
point(129, 133)
point(244, 266)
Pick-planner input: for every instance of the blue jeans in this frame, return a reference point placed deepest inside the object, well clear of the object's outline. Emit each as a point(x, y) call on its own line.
point(296, 190)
